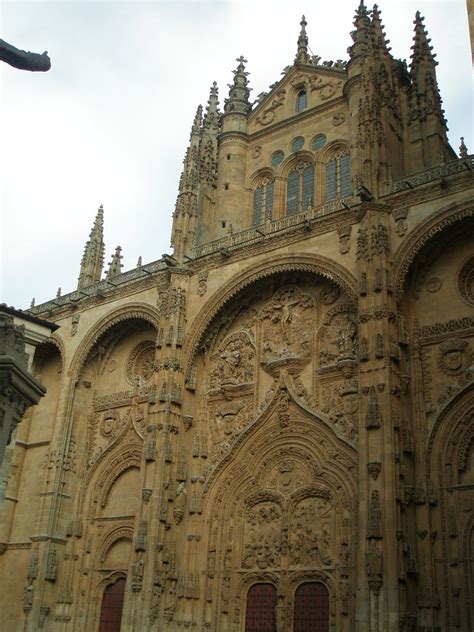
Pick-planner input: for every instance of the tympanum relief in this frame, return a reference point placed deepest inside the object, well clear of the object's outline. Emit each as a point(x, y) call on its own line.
point(306, 330)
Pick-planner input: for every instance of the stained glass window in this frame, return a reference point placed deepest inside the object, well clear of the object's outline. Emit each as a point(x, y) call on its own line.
point(318, 142)
point(292, 191)
point(300, 188)
point(277, 158)
point(338, 176)
point(297, 144)
point(301, 101)
point(263, 202)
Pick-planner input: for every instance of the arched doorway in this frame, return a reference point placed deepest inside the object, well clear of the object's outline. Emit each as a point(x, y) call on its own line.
point(112, 606)
point(260, 611)
point(311, 608)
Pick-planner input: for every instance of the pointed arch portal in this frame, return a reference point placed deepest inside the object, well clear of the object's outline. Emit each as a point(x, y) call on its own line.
point(112, 606)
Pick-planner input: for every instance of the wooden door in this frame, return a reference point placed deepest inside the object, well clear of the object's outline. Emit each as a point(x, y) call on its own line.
point(112, 606)
point(260, 611)
point(311, 608)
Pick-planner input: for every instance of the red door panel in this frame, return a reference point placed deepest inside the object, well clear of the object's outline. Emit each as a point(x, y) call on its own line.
point(112, 606)
point(311, 608)
point(260, 611)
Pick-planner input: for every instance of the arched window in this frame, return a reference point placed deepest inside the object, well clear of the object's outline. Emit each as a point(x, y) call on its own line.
point(263, 201)
point(338, 176)
point(260, 615)
point(112, 606)
point(300, 188)
point(311, 608)
point(301, 102)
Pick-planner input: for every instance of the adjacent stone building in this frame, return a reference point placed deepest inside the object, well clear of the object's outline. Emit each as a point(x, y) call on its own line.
point(271, 429)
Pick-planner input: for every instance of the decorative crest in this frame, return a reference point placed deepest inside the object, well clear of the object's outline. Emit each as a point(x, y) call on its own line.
point(302, 56)
point(238, 101)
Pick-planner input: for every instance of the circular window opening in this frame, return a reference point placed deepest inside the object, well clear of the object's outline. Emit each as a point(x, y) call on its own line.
point(318, 142)
point(297, 144)
point(277, 158)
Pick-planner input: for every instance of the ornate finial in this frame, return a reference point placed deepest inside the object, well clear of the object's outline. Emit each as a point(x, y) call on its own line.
point(211, 117)
point(196, 127)
point(58, 293)
point(32, 304)
point(302, 56)
point(238, 101)
point(115, 265)
point(361, 34)
point(139, 262)
point(463, 153)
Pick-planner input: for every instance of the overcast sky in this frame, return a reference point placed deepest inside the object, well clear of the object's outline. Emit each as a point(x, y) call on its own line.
point(109, 123)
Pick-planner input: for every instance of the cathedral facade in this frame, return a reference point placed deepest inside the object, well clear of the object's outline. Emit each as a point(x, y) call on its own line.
point(272, 429)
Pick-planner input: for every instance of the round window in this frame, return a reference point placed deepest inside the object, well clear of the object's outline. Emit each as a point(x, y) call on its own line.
point(318, 142)
point(277, 158)
point(297, 143)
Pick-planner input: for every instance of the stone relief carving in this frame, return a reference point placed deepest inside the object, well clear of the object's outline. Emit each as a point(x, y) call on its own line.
point(140, 363)
point(227, 420)
point(466, 281)
point(234, 362)
point(312, 531)
point(340, 402)
point(325, 87)
point(202, 282)
point(454, 356)
point(338, 336)
point(287, 329)
point(287, 476)
point(268, 114)
point(263, 534)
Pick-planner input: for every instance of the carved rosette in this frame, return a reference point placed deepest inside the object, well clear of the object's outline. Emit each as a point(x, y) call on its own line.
point(140, 363)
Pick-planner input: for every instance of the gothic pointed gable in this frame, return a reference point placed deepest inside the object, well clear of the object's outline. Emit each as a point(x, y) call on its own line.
point(322, 84)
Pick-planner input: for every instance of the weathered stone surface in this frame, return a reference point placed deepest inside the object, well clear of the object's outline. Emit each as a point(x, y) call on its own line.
point(288, 399)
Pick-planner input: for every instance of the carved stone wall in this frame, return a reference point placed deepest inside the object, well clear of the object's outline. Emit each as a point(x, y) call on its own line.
point(288, 404)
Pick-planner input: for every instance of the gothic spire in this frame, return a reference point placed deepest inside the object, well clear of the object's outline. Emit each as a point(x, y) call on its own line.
point(302, 56)
point(186, 202)
point(208, 149)
point(463, 152)
point(361, 34)
point(239, 92)
point(211, 117)
point(190, 173)
point(93, 257)
point(196, 126)
point(115, 265)
point(421, 45)
point(380, 42)
point(425, 98)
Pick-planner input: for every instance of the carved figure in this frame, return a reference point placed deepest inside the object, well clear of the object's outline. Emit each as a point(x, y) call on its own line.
point(287, 325)
point(234, 362)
